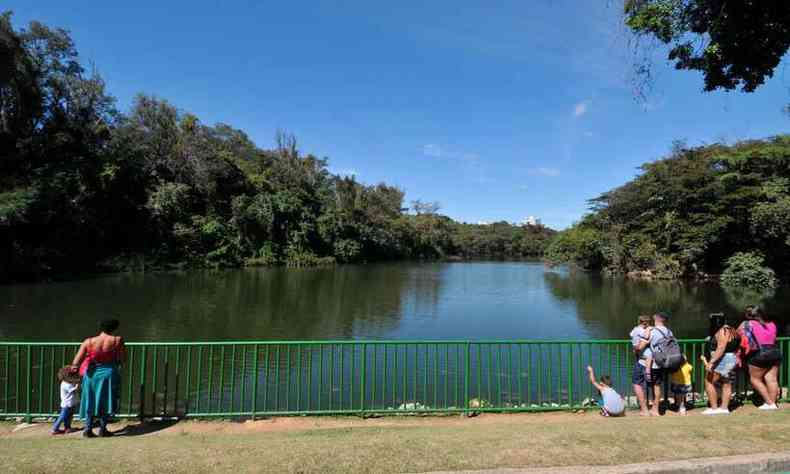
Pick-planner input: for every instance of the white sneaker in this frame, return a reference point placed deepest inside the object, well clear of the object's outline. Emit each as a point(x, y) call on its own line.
point(709, 411)
point(768, 406)
point(722, 411)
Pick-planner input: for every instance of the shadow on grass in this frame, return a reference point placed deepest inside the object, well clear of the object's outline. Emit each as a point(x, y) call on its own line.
point(144, 428)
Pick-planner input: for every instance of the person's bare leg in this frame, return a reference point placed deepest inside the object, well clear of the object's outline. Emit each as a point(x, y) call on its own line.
point(656, 399)
point(756, 375)
point(726, 394)
point(772, 383)
point(640, 397)
point(710, 389)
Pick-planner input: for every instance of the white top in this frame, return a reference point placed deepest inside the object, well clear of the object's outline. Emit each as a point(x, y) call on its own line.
point(69, 395)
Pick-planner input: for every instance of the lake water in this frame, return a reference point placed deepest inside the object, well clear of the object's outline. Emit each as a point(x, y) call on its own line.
point(470, 300)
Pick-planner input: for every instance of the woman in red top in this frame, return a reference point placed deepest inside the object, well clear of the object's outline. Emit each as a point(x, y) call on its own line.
point(763, 357)
point(98, 359)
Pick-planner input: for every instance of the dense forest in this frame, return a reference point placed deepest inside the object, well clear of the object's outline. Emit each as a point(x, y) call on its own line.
point(85, 187)
point(701, 210)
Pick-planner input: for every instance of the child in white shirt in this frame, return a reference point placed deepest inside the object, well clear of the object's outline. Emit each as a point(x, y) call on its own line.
point(69, 399)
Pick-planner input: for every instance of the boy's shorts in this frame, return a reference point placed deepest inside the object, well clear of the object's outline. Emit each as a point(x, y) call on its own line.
point(679, 389)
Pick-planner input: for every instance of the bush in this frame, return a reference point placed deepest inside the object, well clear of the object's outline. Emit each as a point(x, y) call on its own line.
point(577, 246)
point(746, 270)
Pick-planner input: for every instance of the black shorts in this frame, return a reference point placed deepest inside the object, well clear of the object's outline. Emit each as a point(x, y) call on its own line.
point(761, 364)
point(639, 376)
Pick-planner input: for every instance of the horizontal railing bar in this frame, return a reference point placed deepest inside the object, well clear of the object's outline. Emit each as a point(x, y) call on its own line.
point(365, 341)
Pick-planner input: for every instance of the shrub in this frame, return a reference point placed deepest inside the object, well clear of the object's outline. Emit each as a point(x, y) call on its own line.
point(746, 270)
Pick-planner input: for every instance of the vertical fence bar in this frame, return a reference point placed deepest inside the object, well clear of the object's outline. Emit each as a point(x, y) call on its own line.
point(28, 372)
point(7, 378)
point(321, 374)
point(221, 400)
point(141, 409)
point(467, 375)
point(332, 374)
point(362, 376)
point(232, 377)
point(255, 383)
point(570, 375)
point(298, 378)
point(40, 380)
point(210, 401)
point(342, 377)
point(266, 380)
point(242, 392)
point(178, 379)
point(309, 376)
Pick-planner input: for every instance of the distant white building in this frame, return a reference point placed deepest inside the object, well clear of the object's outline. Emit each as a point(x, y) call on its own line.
point(531, 220)
point(483, 223)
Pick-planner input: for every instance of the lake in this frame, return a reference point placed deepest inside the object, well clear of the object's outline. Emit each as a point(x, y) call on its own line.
point(437, 300)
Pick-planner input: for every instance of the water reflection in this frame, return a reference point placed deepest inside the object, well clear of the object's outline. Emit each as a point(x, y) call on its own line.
point(322, 303)
point(608, 307)
point(471, 300)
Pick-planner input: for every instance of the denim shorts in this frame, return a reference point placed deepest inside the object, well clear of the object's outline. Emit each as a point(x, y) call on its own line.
point(726, 366)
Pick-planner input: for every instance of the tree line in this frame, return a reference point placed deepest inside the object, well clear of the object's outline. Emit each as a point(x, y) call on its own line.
point(85, 187)
point(714, 209)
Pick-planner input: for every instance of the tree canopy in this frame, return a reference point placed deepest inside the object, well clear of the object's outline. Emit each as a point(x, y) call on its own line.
point(85, 187)
point(735, 44)
point(688, 213)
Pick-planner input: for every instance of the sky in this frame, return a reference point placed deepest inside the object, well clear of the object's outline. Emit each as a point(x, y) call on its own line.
point(496, 110)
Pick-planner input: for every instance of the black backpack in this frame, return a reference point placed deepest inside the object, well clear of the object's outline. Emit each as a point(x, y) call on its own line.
point(666, 353)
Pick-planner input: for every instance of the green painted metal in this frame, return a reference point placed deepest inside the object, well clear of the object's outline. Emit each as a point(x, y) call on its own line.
point(349, 377)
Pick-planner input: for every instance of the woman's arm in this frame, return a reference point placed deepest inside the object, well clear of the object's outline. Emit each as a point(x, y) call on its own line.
point(80, 353)
point(721, 345)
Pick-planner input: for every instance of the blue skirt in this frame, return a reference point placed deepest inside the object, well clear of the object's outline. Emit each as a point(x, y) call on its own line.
point(101, 390)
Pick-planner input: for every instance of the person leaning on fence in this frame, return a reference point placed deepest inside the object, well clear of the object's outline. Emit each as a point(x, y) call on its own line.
point(98, 359)
point(758, 335)
point(721, 347)
point(638, 334)
point(611, 402)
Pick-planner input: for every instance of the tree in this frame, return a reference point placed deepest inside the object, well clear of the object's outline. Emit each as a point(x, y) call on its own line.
point(421, 207)
point(734, 43)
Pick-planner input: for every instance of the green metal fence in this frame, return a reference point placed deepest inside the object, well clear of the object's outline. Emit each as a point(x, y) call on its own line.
point(260, 378)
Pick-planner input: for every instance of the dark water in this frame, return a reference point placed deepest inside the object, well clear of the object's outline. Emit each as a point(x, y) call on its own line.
point(492, 300)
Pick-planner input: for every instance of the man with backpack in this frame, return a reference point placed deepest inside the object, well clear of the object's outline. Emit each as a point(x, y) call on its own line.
point(662, 352)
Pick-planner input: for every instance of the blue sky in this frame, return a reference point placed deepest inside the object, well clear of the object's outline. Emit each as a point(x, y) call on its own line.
point(497, 110)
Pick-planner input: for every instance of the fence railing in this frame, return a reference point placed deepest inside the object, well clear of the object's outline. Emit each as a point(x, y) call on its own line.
point(261, 378)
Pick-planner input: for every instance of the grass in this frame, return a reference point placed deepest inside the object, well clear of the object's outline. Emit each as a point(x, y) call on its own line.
point(399, 444)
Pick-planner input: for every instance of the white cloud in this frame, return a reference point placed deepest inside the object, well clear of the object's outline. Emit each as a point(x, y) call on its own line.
point(432, 150)
point(581, 108)
point(544, 171)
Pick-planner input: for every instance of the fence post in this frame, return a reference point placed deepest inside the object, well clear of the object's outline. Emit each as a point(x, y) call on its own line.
point(467, 375)
point(29, 370)
point(141, 413)
point(364, 379)
point(255, 383)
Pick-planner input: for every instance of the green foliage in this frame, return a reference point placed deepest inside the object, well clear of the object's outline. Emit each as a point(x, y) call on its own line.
point(86, 187)
point(579, 246)
point(747, 270)
point(734, 43)
point(685, 214)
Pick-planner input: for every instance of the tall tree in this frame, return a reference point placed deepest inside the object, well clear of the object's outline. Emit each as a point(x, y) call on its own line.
point(736, 44)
